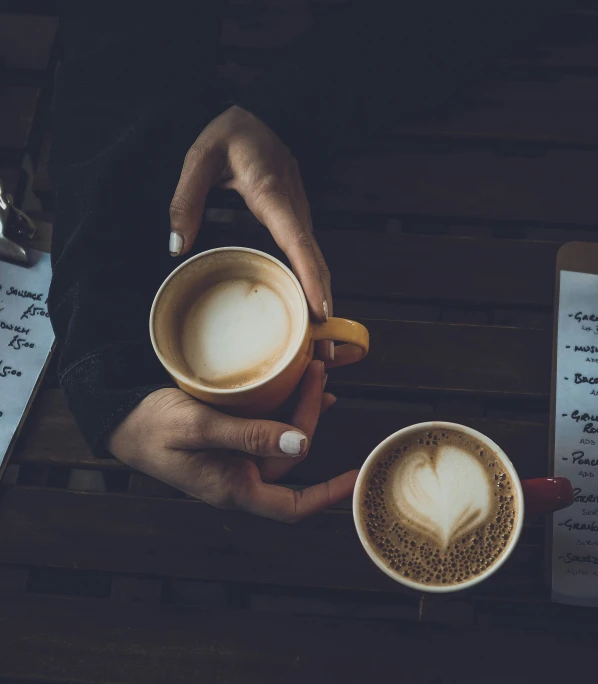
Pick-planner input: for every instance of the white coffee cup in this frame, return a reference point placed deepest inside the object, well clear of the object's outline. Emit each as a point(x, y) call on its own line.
point(541, 495)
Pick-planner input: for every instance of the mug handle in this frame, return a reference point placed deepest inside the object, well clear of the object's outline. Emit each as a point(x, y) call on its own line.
point(355, 335)
point(547, 494)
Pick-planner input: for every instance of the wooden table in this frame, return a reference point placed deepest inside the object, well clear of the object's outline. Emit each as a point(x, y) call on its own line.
point(442, 239)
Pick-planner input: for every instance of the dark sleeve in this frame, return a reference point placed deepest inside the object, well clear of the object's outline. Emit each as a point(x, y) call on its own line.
point(371, 62)
point(124, 118)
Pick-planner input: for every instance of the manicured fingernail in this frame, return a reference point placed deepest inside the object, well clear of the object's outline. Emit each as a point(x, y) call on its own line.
point(324, 381)
point(292, 443)
point(331, 350)
point(325, 307)
point(175, 244)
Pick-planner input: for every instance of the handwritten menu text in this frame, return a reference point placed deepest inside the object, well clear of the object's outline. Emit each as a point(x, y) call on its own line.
point(26, 339)
point(575, 529)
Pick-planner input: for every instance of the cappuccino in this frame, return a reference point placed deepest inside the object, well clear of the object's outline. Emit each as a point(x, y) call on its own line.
point(439, 507)
point(239, 322)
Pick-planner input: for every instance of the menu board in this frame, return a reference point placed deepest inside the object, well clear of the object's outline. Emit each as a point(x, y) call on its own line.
point(26, 339)
point(575, 411)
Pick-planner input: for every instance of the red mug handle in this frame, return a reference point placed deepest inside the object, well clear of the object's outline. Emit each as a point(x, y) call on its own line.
point(547, 494)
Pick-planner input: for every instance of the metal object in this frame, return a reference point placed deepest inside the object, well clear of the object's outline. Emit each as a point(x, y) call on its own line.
point(13, 223)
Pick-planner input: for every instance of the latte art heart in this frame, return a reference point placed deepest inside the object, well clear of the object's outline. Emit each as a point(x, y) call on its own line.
point(442, 498)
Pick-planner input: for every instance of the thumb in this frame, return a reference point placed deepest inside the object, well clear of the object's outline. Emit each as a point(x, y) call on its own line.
point(202, 169)
point(256, 437)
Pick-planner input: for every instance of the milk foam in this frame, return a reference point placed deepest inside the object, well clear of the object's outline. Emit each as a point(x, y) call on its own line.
point(443, 498)
point(237, 332)
point(439, 507)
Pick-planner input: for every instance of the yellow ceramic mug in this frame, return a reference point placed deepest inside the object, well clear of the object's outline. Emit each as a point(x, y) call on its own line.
point(170, 329)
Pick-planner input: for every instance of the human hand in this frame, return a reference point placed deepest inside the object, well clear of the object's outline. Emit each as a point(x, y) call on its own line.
point(230, 462)
point(238, 151)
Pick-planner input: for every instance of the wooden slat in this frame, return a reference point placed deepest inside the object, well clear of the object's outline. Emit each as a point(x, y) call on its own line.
point(184, 538)
point(418, 267)
point(46, 638)
point(556, 186)
point(559, 109)
point(465, 358)
point(17, 111)
point(382, 265)
point(26, 41)
point(51, 437)
point(345, 436)
point(400, 266)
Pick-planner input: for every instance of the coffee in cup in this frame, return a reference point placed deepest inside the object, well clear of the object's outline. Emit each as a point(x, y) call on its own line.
point(239, 326)
point(439, 506)
point(232, 328)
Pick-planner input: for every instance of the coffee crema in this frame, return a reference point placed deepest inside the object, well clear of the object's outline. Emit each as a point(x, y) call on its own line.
point(439, 507)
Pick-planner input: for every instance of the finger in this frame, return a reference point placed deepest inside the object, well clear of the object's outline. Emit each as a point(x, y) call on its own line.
point(305, 417)
point(292, 234)
point(288, 505)
point(203, 167)
point(328, 400)
point(306, 413)
point(215, 430)
point(346, 354)
point(272, 469)
point(324, 349)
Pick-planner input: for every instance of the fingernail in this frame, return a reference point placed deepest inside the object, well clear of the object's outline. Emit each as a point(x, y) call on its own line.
point(292, 443)
point(175, 244)
point(325, 307)
point(324, 381)
point(331, 350)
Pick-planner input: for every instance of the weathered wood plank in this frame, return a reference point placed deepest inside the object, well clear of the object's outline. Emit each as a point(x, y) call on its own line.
point(46, 638)
point(555, 186)
point(419, 267)
point(560, 108)
point(52, 437)
point(26, 41)
point(465, 358)
point(423, 268)
point(184, 538)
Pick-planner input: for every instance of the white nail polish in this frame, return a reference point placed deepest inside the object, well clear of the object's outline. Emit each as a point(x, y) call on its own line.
point(325, 307)
point(331, 350)
point(324, 381)
point(175, 244)
point(292, 443)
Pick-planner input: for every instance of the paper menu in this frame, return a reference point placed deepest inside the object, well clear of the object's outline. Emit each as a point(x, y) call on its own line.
point(26, 340)
point(575, 529)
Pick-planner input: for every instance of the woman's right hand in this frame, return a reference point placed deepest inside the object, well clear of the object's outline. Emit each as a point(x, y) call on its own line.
point(230, 462)
point(237, 151)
